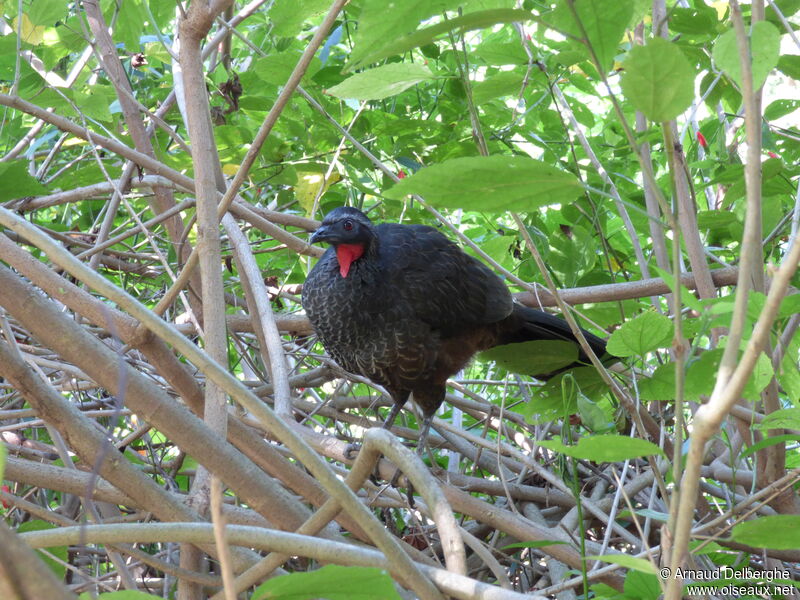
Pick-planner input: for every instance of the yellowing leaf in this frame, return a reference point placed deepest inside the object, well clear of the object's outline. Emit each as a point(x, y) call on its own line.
point(308, 186)
point(74, 142)
point(624, 560)
point(33, 34)
point(721, 6)
point(230, 169)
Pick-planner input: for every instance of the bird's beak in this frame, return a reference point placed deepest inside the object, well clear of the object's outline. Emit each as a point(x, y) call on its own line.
point(320, 235)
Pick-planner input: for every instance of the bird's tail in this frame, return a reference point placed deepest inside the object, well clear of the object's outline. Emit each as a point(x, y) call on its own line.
point(527, 324)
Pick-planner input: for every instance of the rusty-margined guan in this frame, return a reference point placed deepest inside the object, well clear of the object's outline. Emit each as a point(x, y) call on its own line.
point(407, 308)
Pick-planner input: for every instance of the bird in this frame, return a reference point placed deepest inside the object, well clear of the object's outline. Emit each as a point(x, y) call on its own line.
point(407, 308)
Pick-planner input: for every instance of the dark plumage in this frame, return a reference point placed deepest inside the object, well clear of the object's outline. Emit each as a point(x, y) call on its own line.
point(407, 308)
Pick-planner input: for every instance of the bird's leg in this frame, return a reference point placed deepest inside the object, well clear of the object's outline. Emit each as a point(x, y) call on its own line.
point(387, 424)
point(423, 434)
point(421, 446)
point(429, 399)
point(399, 401)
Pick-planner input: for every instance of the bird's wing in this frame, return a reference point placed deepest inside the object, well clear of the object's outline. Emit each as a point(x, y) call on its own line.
point(442, 285)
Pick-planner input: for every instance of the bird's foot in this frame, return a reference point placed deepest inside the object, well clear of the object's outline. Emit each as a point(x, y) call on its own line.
point(351, 451)
point(410, 496)
point(409, 486)
point(395, 478)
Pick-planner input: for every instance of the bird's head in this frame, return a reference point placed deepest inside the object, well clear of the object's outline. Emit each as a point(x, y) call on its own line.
point(349, 231)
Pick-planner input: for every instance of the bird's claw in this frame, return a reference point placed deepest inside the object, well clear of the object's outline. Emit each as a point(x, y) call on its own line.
point(409, 487)
point(351, 451)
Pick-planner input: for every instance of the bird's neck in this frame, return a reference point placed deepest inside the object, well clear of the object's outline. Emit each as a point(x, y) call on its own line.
point(347, 254)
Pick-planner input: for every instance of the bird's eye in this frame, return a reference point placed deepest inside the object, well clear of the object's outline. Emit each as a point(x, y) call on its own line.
point(348, 225)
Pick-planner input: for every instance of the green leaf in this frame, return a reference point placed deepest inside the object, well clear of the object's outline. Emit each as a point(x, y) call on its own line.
point(687, 297)
point(789, 376)
point(658, 80)
point(121, 595)
point(776, 531)
point(156, 51)
point(715, 219)
point(571, 257)
point(602, 591)
point(46, 12)
point(507, 83)
point(3, 454)
point(789, 305)
point(701, 374)
point(699, 379)
point(490, 184)
point(629, 562)
point(785, 418)
point(163, 12)
point(604, 22)
point(288, 16)
point(501, 53)
point(766, 442)
point(660, 385)
point(276, 68)
point(646, 513)
point(641, 585)
point(129, 26)
point(780, 108)
point(332, 582)
point(592, 416)
point(533, 358)
point(59, 552)
point(764, 49)
point(788, 8)
point(583, 114)
point(549, 402)
point(698, 20)
point(759, 378)
point(8, 56)
point(95, 103)
point(381, 82)
point(391, 43)
point(772, 183)
point(380, 24)
point(24, 184)
point(605, 448)
point(789, 64)
point(647, 332)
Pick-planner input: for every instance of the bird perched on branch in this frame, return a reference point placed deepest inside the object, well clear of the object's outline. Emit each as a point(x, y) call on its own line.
point(405, 307)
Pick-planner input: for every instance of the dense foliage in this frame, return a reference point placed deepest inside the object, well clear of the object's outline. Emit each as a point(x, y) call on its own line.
point(590, 151)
